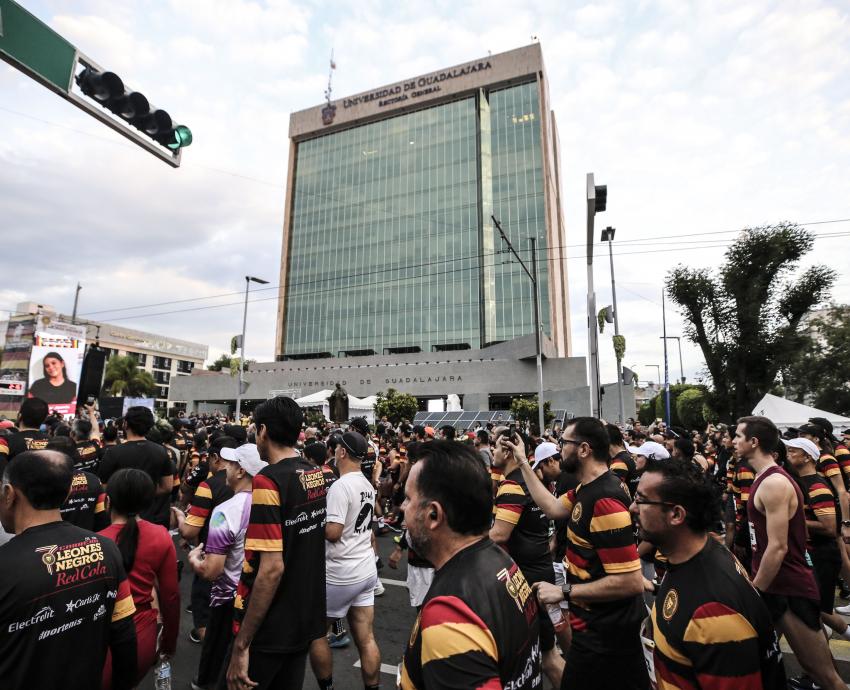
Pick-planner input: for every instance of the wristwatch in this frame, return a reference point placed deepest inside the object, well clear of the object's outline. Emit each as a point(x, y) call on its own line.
point(566, 589)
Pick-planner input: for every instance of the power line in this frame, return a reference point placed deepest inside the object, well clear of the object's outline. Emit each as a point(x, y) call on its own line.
point(702, 244)
point(392, 281)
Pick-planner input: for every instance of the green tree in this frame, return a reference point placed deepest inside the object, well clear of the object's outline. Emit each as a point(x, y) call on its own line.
point(745, 314)
point(646, 412)
point(691, 409)
point(525, 411)
point(821, 374)
point(123, 377)
point(396, 406)
point(228, 363)
point(677, 390)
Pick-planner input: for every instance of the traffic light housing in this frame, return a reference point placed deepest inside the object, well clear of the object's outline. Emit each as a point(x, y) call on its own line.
point(108, 90)
point(601, 197)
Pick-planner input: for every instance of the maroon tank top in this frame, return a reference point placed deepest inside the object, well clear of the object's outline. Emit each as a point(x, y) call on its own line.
point(795, 576)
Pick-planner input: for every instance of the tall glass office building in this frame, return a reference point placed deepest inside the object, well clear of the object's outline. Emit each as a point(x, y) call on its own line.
point(389, 245)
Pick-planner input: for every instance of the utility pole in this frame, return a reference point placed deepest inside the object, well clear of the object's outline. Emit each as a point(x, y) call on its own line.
point(533, 276)
point(76, 302)
point(666, 363)
point(597, 199)
point(608, 236)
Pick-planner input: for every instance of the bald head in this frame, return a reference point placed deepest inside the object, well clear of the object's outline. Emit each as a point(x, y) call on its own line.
point(42, 477)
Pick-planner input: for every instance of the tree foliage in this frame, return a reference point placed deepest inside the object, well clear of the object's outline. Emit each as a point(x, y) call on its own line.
point(692, 410)
point(646, 412)
point(396, 406)
point(820, 376)
point(123, 377)
point(228, 363)
point(525, 411)
point(677, 390)
point(745, 315)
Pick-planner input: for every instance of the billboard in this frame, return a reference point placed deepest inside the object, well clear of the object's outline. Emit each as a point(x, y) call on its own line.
point(55, 363)
point(14, 364)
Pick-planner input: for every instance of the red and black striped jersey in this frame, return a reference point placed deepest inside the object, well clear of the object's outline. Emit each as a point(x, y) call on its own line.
point(600, 542)
point(211, 492)
point(478, 627)
point(820, 502)
point(623, 465)
point(842, 456)
point(711, 629)
point(828, 466)
point(288, 517)
point(528, 544)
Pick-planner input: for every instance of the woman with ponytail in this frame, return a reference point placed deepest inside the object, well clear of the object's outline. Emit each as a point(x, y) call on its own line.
point(151, 564)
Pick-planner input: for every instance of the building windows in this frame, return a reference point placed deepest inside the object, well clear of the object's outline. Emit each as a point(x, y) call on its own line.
point(184, 367)
point(140, 357)
point(161, 377)
point(162, 363)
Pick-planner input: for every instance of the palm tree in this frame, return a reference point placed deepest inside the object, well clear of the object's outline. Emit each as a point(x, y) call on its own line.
point(123, 377)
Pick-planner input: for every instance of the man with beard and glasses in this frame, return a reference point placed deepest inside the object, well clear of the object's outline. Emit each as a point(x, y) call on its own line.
point(478, 627)
point(604, 581)
point(710, 627)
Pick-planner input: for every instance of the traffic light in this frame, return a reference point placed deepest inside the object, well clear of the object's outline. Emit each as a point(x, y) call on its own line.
point(109, 91)
point(601, 197)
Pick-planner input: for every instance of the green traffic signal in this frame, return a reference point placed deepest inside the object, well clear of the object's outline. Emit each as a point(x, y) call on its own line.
point(182, 137)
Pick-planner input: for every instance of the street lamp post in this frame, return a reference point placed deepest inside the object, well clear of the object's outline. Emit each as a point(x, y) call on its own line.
point(248, 281)
point(608, 236)
point(678, 340)
point(597, 200)
point(657, 372)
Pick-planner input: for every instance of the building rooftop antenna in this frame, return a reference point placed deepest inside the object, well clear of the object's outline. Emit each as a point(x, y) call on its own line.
point(329, 90)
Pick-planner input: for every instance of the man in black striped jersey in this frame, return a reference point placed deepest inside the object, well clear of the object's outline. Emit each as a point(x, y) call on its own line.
point(478, 627)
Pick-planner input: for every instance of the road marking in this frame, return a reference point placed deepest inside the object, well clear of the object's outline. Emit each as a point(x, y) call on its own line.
point(385, 668)
point(397, 583)
point(840, 649)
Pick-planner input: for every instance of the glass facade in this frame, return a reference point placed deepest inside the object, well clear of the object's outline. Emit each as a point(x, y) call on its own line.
point(389, 247)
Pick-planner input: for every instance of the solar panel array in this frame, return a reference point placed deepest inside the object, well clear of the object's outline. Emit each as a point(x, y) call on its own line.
point(464, 419)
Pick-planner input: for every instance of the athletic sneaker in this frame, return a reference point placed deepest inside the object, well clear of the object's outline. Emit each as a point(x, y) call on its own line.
point(379, 589)
point(195, 636)
point(338, 641)
point(843, 610)
point(803, 682)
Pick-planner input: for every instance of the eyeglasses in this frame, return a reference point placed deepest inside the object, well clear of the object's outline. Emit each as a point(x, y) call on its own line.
point(564, 441)
point(643, 502)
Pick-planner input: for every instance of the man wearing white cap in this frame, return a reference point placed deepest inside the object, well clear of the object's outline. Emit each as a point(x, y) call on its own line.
point(220, 559)
point(821, 510)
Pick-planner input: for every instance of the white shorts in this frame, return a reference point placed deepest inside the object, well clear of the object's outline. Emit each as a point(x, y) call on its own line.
point(343, 597)
point(418, 583)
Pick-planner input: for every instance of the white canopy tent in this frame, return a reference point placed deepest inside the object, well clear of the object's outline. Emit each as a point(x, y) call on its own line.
point(785, 413)
point(357, 407)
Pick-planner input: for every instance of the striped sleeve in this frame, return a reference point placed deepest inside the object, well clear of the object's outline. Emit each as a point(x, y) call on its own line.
point(828, 466)
point(842, 456)
point(265, 532)
point(821, 500)
point(723, 649)
point(458, 649)
point(201, 506)
point(568, 500)
point(619, 468)
point(510, 501)
point(124, 605)
point(612, 537)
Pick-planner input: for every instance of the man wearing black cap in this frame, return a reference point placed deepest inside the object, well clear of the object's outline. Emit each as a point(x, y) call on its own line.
point(139, 453)
point(351, 573)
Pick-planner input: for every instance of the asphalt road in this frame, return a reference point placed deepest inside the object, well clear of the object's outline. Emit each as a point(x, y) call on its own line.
point(394, 619)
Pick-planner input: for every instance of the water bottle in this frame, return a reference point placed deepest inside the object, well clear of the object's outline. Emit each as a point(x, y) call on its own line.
point(556, 615)
point(162, 675)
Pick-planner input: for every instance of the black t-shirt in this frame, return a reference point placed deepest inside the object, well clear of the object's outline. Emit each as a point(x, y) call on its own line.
point(86, 503)
point(88, 452)
point(565, 482)
point(53, 395)
point(478, 627)
point(711, 627)
point(29, 439)
point(288, 517)
point(63, 594)
point(367, 464)
point(149, 457)
point(528, 544)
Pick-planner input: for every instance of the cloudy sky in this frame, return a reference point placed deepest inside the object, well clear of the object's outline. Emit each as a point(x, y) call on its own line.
point(701, 117)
